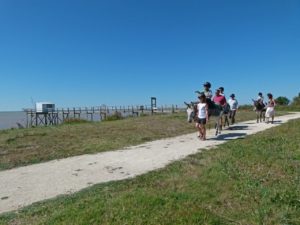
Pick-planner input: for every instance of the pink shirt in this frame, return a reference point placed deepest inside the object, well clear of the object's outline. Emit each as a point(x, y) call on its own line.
point(221, 100)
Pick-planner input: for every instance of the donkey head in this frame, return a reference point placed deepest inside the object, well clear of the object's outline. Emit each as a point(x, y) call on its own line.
point(191, 111)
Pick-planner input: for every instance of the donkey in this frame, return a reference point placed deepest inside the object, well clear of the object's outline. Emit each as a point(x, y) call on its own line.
point(213, 110)
point(260, 109)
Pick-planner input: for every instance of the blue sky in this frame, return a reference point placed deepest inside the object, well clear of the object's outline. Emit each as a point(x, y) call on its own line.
point(122, 52)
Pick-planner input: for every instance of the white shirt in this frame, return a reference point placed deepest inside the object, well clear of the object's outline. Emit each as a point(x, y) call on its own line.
point(260, 98)
point(208, 94)
point(201, 110)
point(233, 103)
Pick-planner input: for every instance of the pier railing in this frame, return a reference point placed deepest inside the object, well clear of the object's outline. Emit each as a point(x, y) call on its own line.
point(100, 113)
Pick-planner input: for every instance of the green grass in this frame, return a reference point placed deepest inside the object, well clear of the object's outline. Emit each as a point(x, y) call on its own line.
point(28, 146)
point(255, 180)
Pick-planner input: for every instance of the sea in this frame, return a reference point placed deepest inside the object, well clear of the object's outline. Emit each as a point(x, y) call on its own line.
point(9, 120)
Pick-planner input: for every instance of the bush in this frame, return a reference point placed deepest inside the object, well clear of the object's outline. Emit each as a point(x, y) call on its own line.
point(282, 100)
point(115, 116)
point(296, 101)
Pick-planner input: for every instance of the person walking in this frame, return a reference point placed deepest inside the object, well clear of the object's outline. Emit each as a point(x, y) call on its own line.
point(270, 108)
point(221, 101)
point(222, 91)
point(226, 109)
point(202, 117)
point(233, 103)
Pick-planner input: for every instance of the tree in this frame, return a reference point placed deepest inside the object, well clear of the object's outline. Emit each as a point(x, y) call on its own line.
point(282, 100)
point(296, 100)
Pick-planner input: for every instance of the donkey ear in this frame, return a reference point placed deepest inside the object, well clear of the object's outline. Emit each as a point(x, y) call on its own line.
point(187, 104)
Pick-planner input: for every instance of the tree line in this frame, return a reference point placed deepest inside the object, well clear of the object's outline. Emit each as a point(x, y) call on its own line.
point(281, 100)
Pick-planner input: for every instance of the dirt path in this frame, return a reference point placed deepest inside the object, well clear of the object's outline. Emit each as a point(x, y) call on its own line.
point(25, 185)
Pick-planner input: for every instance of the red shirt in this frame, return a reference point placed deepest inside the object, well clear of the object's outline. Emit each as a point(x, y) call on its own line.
point(220, 99)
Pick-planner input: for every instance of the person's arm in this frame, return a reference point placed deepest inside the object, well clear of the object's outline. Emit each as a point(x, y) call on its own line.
point(206, 111)
point(225, 102)
point(197, 111)
point(209, 94)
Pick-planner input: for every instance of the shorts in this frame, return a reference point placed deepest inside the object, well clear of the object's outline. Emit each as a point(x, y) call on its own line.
point(201, 121)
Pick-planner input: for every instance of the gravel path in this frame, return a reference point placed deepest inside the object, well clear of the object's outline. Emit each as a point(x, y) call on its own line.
point(25, 185)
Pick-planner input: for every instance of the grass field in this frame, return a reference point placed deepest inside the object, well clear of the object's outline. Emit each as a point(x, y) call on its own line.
point(28, 146)
point(255, 180)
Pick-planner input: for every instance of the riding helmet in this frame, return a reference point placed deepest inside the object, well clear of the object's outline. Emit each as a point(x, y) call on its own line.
point(207, 84)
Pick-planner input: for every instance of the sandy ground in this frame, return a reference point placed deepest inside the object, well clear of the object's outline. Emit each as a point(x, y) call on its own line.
point(25, 185)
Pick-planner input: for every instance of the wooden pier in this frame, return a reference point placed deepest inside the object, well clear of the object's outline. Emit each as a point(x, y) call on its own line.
point(99, 113)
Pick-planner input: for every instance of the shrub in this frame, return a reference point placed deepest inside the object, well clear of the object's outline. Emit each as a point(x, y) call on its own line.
point(296, 100)
point(282, 100)
point(115, 116)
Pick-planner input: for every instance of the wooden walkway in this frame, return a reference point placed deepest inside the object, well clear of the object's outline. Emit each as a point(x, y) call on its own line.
point(99, 113)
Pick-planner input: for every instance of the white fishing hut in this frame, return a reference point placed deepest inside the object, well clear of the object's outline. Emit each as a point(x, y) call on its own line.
point(44, 107)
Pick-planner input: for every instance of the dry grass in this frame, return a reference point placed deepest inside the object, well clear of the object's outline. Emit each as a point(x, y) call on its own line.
point(28, 146)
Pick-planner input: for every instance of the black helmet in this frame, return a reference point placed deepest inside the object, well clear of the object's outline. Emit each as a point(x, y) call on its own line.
point(221, 89)
point(207, 84)
point(260, 94)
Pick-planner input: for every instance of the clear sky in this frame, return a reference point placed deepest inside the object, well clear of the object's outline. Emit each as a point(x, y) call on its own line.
point(122, 52)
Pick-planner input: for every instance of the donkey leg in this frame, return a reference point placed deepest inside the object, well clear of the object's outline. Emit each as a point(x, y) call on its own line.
point(260, 116)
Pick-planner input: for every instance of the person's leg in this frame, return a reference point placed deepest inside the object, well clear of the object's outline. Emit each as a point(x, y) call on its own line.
point(201, 130)
point(267, 115)
point(198, 128)
point(226, 120)
point(233, 117)
point(204, 132)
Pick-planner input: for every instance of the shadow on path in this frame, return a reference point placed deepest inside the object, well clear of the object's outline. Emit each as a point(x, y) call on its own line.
point(232, 136)
point(238, 128)
point(277, 122)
